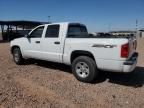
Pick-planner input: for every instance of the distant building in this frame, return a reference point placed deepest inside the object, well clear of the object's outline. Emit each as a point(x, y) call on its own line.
point(141, 33)
point(97, 33)
point(15, 29)
point(122, 33)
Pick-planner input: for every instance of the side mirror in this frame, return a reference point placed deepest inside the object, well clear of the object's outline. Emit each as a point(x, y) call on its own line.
point(27, 36)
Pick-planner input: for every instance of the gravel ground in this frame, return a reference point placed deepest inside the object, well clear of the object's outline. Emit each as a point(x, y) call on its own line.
point(40, 84)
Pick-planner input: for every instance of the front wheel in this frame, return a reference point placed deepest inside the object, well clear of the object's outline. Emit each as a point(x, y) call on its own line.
point(84, 69)
point(17, 56)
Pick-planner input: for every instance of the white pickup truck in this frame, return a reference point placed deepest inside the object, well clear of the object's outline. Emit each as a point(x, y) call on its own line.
point(69, 43)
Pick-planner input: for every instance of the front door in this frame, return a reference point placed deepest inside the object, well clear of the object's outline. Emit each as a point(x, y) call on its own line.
point(33, 49)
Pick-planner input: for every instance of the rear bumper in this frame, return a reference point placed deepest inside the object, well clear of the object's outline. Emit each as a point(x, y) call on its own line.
point(130, 64)
point(118, 66)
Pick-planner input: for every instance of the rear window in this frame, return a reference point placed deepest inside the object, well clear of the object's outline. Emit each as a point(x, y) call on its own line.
point(77, 31)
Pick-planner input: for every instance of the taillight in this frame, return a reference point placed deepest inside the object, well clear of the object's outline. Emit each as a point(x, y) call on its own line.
point(125, 50)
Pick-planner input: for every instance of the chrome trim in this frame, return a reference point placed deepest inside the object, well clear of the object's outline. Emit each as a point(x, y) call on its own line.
point(104, 46)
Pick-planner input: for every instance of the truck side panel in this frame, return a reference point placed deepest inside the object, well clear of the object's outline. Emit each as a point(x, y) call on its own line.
point(105, 51)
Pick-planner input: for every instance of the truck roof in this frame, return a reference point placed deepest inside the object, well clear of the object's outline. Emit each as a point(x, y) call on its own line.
point(66, 23)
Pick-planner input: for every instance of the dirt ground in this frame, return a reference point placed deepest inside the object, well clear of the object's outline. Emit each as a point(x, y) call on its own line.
point(40, 84)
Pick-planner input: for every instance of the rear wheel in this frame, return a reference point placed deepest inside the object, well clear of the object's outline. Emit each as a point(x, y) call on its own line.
point(17, 56)
point(84, 69)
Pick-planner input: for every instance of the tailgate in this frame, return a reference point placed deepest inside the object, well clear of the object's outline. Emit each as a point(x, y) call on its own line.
point(132, 46)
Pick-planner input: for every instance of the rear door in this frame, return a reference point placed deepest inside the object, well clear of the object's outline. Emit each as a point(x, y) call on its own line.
point(51, 44)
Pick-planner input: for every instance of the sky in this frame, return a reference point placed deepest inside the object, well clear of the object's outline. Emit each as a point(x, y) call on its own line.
point(98, 15)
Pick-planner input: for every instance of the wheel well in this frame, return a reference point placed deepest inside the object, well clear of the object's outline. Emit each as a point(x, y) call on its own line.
point(13, 47)
point(78, 53)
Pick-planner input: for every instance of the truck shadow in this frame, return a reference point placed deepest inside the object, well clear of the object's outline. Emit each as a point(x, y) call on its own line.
point(1, 41)
point(134, 79)
point(50, 65)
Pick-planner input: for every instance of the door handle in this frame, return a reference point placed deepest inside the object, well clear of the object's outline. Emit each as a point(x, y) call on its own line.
point(57, 42)
point(37, 42)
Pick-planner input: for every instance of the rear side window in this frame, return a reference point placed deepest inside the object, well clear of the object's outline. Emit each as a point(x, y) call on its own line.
point(52, 31)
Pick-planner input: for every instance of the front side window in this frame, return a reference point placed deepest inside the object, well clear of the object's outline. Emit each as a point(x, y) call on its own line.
point(75, 31)
point(52, 31)
point(37, 33)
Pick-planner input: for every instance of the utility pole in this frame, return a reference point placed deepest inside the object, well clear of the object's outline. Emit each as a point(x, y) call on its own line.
point(49, 19)
point(109, 27)
point(136, 25)
point(136, 28)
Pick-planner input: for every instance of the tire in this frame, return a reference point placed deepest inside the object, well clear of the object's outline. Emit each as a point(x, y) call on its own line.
point(17, 56)
point(84, 69)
